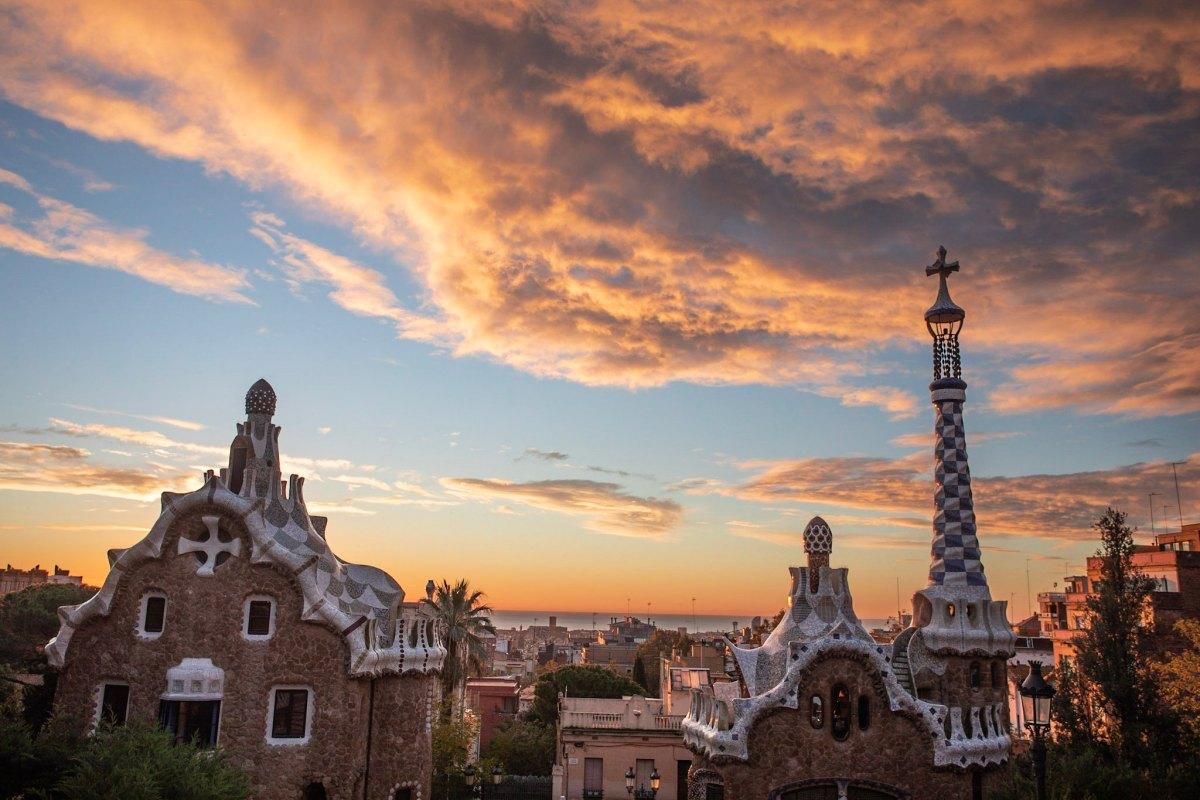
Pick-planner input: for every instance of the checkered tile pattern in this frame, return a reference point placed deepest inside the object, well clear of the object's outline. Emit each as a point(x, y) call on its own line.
point(955, 555)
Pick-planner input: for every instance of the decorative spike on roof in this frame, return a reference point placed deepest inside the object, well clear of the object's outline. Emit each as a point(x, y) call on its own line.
point(818, 537)
point(260, 398)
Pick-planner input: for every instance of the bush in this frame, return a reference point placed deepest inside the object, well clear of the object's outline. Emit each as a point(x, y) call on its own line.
point(117, 763)
point(523, 747)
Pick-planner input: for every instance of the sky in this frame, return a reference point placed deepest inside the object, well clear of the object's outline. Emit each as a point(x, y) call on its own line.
point(597, 304)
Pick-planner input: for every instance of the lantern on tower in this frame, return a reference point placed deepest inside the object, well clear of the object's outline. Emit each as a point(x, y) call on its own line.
point(944, 320)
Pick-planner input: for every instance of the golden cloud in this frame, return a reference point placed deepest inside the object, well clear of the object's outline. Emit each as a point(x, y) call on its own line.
point(604, 506)
point(618, 194)
point(1060, 506)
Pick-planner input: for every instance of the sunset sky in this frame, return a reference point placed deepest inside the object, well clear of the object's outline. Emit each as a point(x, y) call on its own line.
point(597, 301)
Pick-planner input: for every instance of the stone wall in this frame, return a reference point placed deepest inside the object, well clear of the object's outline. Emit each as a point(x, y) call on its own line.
point(204, 619)
point(893, 751)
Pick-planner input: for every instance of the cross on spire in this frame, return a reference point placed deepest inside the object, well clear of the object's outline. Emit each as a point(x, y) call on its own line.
point(940, 267)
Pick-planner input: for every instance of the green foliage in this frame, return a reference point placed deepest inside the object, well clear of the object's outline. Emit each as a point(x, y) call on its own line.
point(1180, 690)
point(660, 644)
point(585, 680)
point(523, 747)
point(29, 619)
point(119, 763)
point(1113, 652)
point(1090, 772)
point(1072, 706)
point(453, 738)
point(463, 619)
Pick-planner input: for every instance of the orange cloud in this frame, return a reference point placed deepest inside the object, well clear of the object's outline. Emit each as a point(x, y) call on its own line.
point(71, 470)
point(615, 194)
point(1063, 506)
point(604, 506)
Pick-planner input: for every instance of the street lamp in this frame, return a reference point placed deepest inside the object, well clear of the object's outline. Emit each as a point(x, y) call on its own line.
point(471, 776)
point(497, 775)
point(1035, 707)
point(641, 792)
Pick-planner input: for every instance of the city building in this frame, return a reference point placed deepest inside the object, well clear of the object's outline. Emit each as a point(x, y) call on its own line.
point(494, 699)
point(14, 580)
point(617, 657)
point(822, 711)
point(629, 630)
point(600, 740)
point(1171, 559)
point(233, 623)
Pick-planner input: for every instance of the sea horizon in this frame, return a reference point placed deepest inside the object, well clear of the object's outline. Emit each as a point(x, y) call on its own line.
point(584, 620)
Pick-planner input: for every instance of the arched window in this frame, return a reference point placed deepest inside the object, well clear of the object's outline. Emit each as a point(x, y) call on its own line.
point(975, 675)
point(839, 712)
point(864, 712)
point(315, 791)
point(239, 452)
point(997, 674)
point(816, 711)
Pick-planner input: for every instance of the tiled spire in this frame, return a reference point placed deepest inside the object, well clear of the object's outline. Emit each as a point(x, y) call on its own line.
point(954, 558)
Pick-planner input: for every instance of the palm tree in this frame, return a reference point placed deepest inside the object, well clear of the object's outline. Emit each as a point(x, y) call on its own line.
point(463, 619)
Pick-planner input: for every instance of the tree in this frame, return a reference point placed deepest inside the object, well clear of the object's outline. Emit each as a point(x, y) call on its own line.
point(523, 747)
point(29, 619)
point(651, 651)
point(1113, 651)
point(452, 740)
point(639, 673)
point(585, 680)
point(1071, 706)
point(463, 619)
point(1177, 677)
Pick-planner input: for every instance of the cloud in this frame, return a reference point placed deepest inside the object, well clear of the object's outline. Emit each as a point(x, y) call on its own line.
point(1041, 505)
point(358, 289)
point(604, 506)
point(64, 232)
point(70, 470)
point(619, 194)
point(544, 455)
point(173, 422)
point(925, 440)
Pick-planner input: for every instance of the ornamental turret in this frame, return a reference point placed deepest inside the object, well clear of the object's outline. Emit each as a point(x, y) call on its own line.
point(956, 610)
point(254, 453)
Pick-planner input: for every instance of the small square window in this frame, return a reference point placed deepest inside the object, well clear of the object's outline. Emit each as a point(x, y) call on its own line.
point(289, 722)
point(114, 704)
point(258, 618)
point(154, 617)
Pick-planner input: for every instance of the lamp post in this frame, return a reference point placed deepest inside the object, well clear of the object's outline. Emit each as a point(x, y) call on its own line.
point(1035, 707)
point(472, 778)
point(643, 792)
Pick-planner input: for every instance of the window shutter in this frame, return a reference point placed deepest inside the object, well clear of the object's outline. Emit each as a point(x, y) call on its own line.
point(156, 612)
point(258, 620)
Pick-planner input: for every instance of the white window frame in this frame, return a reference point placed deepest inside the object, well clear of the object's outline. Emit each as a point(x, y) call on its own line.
point(142, 633)
point(308, 716)
point(253, 637)
point(96, 718)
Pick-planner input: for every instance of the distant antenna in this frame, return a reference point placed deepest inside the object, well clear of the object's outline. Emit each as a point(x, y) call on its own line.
point(1028, 591)
point(1178, 502)
point(694, 615)
point(898, 612)
point(1152, 495)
